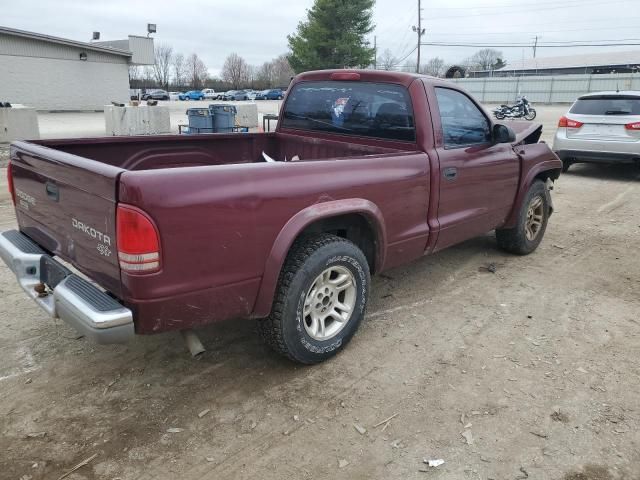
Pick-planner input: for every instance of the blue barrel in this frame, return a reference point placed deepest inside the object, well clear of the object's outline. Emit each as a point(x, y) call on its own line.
point(200, 120)
point(224, 117)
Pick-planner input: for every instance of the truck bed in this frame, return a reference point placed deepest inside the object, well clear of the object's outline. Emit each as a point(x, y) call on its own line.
point(217, 205)
point(149, 153)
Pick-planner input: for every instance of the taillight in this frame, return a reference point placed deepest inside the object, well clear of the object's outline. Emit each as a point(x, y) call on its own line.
point(12, 190)
point(568, 123)
point(632, 126)
point(138, 241)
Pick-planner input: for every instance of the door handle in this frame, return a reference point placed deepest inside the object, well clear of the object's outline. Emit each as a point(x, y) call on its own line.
point(52, 191)
point(450, 173)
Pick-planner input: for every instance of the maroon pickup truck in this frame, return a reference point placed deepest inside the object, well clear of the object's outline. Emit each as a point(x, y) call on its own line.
point(366, 171)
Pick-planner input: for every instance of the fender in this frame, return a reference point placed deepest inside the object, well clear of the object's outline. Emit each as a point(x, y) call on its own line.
point(296, 225)
point(529, 172)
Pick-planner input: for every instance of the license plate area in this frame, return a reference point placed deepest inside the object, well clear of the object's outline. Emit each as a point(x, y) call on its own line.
point(52, 272)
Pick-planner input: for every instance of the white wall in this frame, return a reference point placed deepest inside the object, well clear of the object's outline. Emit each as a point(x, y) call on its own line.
point(56, 84)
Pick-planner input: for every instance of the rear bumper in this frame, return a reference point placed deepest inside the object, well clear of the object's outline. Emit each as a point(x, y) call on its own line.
point(598, 157)
point(74, 300)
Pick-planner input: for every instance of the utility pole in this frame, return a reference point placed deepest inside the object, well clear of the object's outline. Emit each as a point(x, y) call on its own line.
point(375, 51)
point(420, 31)
point(535, 46)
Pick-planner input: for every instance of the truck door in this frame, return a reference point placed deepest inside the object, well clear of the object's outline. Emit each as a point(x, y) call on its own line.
point(478, 179)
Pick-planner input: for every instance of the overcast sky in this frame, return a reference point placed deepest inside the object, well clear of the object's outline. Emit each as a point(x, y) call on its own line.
point(257, 29)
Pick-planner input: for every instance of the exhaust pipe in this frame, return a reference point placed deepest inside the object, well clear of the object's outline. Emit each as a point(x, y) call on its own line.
point(192, 342)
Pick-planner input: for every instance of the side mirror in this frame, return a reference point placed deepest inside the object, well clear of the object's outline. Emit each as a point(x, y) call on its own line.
point(503, 134)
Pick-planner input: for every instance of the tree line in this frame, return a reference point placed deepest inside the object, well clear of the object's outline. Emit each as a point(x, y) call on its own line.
point(173, 71)
point(482, 60)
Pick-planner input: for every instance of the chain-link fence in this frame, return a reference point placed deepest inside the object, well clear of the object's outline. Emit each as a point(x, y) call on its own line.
point(552, 89)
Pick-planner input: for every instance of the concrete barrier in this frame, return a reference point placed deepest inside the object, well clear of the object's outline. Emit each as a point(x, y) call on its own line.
point(18, 123)
point(141, 120)
point(247, 115)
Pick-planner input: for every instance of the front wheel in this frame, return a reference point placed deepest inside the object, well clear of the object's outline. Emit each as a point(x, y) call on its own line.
point(320, 299)
point(531, 114)
point(531, 223)
point(498, 115)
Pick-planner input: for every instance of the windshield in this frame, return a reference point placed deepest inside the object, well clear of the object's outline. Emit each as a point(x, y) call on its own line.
point(607, 105)
point(378, 110)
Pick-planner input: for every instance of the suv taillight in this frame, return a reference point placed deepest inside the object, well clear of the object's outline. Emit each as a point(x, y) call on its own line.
point(568, 123)
point(138, 241)
point(632, 126)
point(12, 190)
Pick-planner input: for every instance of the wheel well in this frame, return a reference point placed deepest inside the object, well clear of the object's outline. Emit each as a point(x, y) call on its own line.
point(552, 174)
point(354, 227)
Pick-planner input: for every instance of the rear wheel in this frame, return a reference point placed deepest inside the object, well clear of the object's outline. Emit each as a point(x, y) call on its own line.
point(565, 165)
point(320, 300)
point(531, 223)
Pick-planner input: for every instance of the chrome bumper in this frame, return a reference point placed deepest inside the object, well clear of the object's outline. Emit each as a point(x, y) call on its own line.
point(74, 300)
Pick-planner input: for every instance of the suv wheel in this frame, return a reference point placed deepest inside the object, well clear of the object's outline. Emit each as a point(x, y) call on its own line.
point(531, 222)
point(320, 300)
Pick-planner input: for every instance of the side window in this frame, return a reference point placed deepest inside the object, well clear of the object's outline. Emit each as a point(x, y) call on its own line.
point(463, 124)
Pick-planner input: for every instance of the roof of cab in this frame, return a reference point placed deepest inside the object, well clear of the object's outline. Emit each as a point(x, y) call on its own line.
point(403, 78)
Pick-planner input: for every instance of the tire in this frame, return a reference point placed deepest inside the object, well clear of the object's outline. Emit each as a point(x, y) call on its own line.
point(499, 116)
point(280, 97)
point(288, 329)
point(531, 115)
point(566, 164)
point(518, 240)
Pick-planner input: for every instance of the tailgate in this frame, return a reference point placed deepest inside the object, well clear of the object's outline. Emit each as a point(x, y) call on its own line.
point(67, 204)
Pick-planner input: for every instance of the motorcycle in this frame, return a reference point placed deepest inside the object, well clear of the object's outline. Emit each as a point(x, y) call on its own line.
point(522, 109)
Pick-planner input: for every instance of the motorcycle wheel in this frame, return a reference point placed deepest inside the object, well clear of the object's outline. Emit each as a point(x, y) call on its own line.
point(499, 116)
point(531, 115)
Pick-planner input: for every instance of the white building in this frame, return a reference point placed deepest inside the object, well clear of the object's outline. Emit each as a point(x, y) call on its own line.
point(50, 73)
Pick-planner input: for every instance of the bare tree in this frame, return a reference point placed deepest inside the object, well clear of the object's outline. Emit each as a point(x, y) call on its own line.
point(282, 71)
point(265, 75)
point(486, 59)
point(195, 71)
point(178, 68)
point(434, 67)
point(162, 67)
point(235, 70)
point(387, 61)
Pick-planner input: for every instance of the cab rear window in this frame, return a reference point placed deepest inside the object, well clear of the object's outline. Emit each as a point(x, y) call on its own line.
point(378, 110)
point(607, 105)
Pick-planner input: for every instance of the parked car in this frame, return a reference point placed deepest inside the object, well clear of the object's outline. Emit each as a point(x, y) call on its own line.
point(272, 94)
point(210, 94)
point(600, 127)
point(174, 95)
point(251, 94)
point(192, 95)
point(155, 95)
point(236, 95)
point(178, 232)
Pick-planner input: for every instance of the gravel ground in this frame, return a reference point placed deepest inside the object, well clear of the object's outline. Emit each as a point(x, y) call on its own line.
point(531, 372)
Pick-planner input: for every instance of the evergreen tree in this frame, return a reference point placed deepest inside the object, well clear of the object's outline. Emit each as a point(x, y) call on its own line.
point(333, 36)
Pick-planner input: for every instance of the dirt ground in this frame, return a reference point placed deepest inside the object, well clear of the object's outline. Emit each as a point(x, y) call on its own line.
point(537, 364)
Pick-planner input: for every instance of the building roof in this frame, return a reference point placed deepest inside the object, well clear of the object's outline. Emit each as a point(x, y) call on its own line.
point(64, 41)
point(600, 59)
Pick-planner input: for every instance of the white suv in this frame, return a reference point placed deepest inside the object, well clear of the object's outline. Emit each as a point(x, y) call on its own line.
point(600, 127)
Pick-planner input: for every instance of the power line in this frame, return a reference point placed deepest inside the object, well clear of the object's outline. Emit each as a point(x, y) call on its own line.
point(511, 5)
point(529, 10)
point(521, 45)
